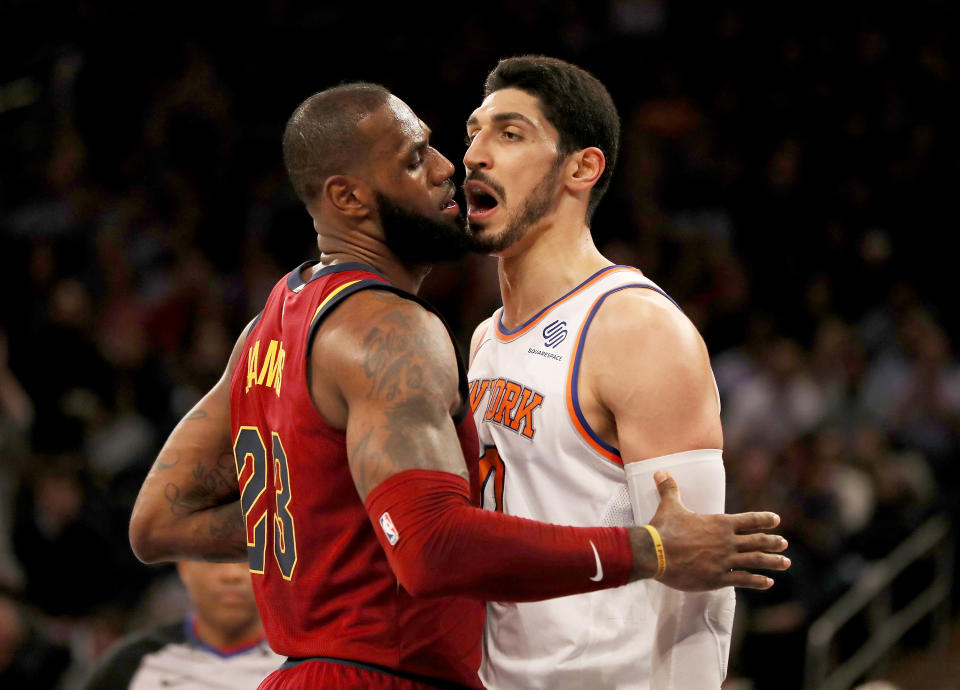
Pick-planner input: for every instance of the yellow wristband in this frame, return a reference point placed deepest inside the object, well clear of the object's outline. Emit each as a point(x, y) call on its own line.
point(658, 547)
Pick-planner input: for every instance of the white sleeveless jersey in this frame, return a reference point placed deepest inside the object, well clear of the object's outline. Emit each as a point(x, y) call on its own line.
point(541, 460)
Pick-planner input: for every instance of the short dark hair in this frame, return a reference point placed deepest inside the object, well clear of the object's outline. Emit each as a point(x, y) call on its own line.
point(573, 100)
point(321, 137)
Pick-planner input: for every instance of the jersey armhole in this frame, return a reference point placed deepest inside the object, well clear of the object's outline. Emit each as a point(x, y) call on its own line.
point(336, 298)
point(579, 421)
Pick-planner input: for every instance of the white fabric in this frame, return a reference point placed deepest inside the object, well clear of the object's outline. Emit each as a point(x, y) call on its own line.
point(554, 474)
point(693, 629)
point(190, 667)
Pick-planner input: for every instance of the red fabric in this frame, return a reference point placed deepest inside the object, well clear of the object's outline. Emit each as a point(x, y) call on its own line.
point(331, 676)
point(444, 545)
point(342, 599)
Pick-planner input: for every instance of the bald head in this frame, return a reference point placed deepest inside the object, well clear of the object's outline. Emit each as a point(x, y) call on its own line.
point(322, 137)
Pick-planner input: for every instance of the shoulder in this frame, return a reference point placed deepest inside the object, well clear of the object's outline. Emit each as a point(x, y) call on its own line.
point(376, 330)
point(373, 314)
point(641, 343)
point(644, 319)
point(478, 334)
point(120, 664)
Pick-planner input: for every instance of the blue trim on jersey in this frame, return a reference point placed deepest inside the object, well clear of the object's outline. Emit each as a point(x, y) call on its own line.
point(509, 331)
point(188, 623)
point(575, 378)
point(295, 281)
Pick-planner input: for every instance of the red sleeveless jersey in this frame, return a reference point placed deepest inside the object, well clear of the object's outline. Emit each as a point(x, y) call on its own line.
point(322, 581)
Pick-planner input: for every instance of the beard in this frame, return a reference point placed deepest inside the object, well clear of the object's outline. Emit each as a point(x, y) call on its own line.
point(535, 207)
point(418, 240)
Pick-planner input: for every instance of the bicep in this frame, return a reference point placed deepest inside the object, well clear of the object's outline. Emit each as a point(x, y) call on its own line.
point(398, 376)
point(655, 379)
point(194, 470)
point(196, 465)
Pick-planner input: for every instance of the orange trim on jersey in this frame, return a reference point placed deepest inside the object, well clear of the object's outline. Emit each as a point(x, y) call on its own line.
point(571, 412)
point(333, 293)
point(506, 337)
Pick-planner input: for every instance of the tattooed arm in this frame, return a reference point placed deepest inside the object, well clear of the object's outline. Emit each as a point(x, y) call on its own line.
point(385, 369)
point(189, 504)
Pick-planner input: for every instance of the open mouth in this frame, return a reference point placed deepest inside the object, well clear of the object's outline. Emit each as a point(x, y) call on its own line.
point(481, 201)
point(449, 205)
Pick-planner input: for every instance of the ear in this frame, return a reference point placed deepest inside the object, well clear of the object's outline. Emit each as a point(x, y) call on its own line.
point(349, 195)
point(589, 165)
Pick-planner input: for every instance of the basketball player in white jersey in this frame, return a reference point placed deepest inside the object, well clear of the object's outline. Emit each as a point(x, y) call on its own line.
point(586, 382)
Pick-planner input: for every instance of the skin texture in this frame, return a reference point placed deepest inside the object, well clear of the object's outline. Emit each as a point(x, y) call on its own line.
point(191, 496)
point(382, 368)
point(395, 391)
point(223, 603)
point(646, 385)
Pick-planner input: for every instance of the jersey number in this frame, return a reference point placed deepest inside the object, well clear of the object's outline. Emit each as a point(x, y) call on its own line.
point(254, 465)
point(492, 472)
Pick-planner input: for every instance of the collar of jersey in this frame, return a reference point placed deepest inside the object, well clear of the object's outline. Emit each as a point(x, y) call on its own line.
point(507, 334)
point(190, 625)
point(295, 282)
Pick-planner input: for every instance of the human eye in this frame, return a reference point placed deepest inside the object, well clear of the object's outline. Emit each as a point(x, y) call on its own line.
point(415, 161)
point(510, 135)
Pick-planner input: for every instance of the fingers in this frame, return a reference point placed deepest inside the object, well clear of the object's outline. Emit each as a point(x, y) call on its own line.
point(667, 486)
point(761, 542)
point(744, 523)
point(739, 578)
point(759, 561)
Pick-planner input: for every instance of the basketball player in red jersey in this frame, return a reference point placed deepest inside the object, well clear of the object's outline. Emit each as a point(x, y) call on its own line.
point(344, 413)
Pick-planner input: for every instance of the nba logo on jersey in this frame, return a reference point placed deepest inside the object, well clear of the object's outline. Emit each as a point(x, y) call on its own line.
point(554, 333)
point(386, 524)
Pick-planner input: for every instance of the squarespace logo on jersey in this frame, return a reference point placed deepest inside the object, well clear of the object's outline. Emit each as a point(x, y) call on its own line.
point(509, 404)
point(554, 333)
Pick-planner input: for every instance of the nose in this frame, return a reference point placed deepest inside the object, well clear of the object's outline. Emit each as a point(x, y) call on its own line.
point(232, 572)
point(443, 169)
point(477, 156)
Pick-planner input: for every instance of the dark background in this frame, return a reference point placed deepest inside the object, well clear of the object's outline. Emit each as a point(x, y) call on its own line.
point(786, 174)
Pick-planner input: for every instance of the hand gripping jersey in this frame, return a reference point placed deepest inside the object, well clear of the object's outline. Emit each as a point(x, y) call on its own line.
point(322, 582)
point(541, 460)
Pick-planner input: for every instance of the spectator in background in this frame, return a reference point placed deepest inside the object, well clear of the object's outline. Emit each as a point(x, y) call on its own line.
point(28, 659)
point(219, 645)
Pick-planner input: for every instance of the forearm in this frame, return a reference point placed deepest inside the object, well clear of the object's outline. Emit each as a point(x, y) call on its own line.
point(214, 534)
point(188, 506)
point(438, 544)
point(693, 629)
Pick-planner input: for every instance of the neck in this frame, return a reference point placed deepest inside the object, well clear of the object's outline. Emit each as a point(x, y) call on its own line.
point(219, 638)
point(404, 277)
point(337, 248)
point(545, 265)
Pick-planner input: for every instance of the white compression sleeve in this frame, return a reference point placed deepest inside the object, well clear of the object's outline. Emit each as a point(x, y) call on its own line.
point(692, 640)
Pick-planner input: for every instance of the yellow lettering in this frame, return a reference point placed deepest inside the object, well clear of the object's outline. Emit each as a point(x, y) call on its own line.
point(271, 373)
point(269, 365)
point(252, 357)
point(280, 358)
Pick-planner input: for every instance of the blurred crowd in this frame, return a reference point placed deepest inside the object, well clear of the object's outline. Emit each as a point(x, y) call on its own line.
point(786, 179)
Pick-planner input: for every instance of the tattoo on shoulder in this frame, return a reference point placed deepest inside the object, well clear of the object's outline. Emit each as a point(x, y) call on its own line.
point(199, 413)
point(396, 360)
point(393, 354)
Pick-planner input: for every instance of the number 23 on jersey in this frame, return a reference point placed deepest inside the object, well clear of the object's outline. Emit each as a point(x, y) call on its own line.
point(254, 465)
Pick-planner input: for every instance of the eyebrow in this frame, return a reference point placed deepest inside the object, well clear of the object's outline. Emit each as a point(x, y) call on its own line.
point(502, 117)
point(422, 145)
point(417, 147)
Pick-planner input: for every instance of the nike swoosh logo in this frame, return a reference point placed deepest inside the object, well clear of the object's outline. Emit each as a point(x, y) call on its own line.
point(599, 575)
